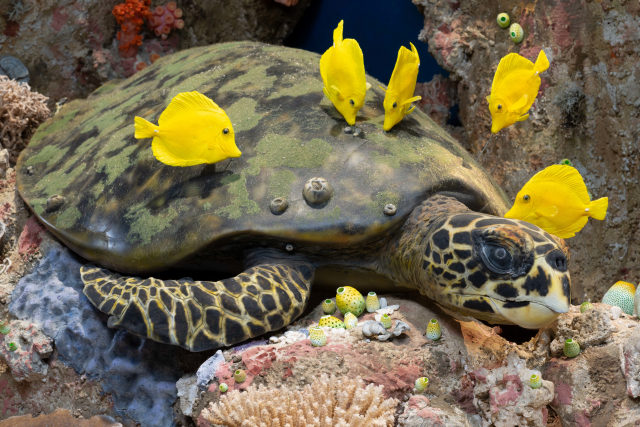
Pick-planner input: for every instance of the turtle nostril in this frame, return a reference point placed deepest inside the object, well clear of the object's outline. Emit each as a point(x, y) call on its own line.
point(557, 260)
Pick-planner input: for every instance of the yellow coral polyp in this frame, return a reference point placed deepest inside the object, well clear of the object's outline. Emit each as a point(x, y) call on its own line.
point(535, 381)
point(317, 336)
point(331, 322)
point(328, 306)
point(373, 303)
point(421, 384)
point(386, 321)
point(350, 321)
point(433, 330)
point(349, 300)
point(240, 376)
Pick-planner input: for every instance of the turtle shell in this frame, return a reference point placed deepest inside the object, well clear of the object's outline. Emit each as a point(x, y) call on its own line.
point(104, 194)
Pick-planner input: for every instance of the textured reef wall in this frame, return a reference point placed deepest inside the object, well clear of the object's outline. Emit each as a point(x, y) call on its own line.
point(70, 47)
point(587, 110)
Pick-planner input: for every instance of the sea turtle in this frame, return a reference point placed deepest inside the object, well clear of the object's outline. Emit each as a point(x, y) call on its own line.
point(308, 196)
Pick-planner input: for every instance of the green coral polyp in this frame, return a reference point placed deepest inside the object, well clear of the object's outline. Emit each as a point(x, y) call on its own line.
point(386, 321)
point(516, 33)
point(373, 303)
point(433, 330)
point(585, 306)
point(223, 388)
point(503, 20)
point(4, 329)
point(328, 306)
point(240, 376)
point(421, 384)
point(12, 346)
point(571, 348)
point(535, 381)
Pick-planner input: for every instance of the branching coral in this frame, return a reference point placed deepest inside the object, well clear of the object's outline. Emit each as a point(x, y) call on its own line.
point(328, 402)
point(131, 15)
point(21, 111)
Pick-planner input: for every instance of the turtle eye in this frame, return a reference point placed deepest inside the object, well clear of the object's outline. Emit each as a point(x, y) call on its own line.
point(353, 104)
point(395, 104)
point(526, 198)
point(499, 106)
point(497, 258)
point(225, 131)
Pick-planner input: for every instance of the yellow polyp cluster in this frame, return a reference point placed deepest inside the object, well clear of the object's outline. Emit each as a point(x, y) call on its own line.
point(331, 322)
point(621, 295)
point(349, 300)
point(350, 321)
point(317, 336)
point(373, 303)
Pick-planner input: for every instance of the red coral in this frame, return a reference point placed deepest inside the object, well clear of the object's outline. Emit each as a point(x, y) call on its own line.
point(165, 18)
point(130, 15)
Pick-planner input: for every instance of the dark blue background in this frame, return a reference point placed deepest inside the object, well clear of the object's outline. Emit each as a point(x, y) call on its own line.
point(379, 26)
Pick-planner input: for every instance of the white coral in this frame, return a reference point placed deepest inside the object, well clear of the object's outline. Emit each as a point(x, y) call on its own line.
point(326, 403)
point(21, 111)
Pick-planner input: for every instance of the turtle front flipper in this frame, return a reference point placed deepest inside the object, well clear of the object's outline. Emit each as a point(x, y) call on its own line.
point(202, 315)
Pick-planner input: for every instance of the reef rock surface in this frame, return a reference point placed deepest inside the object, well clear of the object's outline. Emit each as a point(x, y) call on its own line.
point(586, 111)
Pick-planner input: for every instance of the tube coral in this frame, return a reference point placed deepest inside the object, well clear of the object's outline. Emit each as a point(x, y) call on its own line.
point(131, 15)
point(326, 402)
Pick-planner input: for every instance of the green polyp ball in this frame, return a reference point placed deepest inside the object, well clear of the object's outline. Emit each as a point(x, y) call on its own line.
point(571, 348)
point(585, 306)
point(566, 162)
point(503, 20)
point(516, 33)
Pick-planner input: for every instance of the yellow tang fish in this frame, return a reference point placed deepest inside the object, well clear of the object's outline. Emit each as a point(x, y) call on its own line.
point(401, 87)
point(192, 130)
point(342, 71)
point(556, 200)
point(514, 88)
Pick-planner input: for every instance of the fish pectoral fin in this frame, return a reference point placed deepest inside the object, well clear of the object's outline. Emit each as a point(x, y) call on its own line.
point(187, 102)
point(326, 92)
point(546, 212)
point(410, 110)
point(382, 88)
point(489, 99)
point(368, 86)
point(522, 118)
point(410, 100)
point(337, 91)
point(163, 155)
point(519, 104)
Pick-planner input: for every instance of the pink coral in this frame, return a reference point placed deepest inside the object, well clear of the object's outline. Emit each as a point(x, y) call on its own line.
point(165, 18)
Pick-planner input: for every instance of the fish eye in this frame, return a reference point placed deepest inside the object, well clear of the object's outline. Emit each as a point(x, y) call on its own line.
point(225, 131)
point(352, 103)
point(499, 106)
point(526, 198)
point(395, 104)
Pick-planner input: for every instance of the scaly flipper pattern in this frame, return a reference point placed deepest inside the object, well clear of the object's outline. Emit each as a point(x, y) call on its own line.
point(202, 315)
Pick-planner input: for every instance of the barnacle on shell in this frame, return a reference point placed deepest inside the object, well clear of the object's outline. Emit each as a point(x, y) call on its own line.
point(516, 33)
point(503, 20)
point(421, 384)
point(535, 381)
point(585, 306)
point(373, 303)
point(317, 337)
point(223, 388)
point(350, 321)
point(433, 330)
point(571, 348)
point(328, 306)
point(386, 321)
point(621, 295)
point(348, 299)
point(239, 376)
point(329, 321)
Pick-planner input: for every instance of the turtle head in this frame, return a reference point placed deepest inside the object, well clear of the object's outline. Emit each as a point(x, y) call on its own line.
point(496, 269)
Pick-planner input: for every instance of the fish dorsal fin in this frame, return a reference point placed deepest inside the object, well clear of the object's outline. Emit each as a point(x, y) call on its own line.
point(188, 101)
point(565, 175)
point(520, 103)
point(337, 33)
point(509, 63)
point(381, 88)
point(415, 52)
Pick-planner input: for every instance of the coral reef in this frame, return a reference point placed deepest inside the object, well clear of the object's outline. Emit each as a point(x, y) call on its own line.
point(30, 346)
point(21, 111)
point(140, 374)
point(130, 16)
point(326, 402)
point(165, 18)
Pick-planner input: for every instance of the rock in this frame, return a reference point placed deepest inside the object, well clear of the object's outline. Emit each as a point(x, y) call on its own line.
point(32, 346)
point(207, 371)
point(590, 328)
point(375, 329)
point(140, 374)
point(420, 413)
point(631, 354)
point(60, 418)
point(615, 312)
point(4, 162)
point(188, 393)
point(504, 398)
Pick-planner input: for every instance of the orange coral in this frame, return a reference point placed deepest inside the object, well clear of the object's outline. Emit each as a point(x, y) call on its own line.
point(131, 15)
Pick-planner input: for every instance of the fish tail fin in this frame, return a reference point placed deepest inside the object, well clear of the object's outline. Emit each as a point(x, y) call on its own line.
point(542, 63)
point(337, 33)
point(144, 129)
point(598, 208)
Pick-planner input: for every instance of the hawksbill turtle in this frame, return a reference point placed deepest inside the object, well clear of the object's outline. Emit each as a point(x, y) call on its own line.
point(308, 198)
